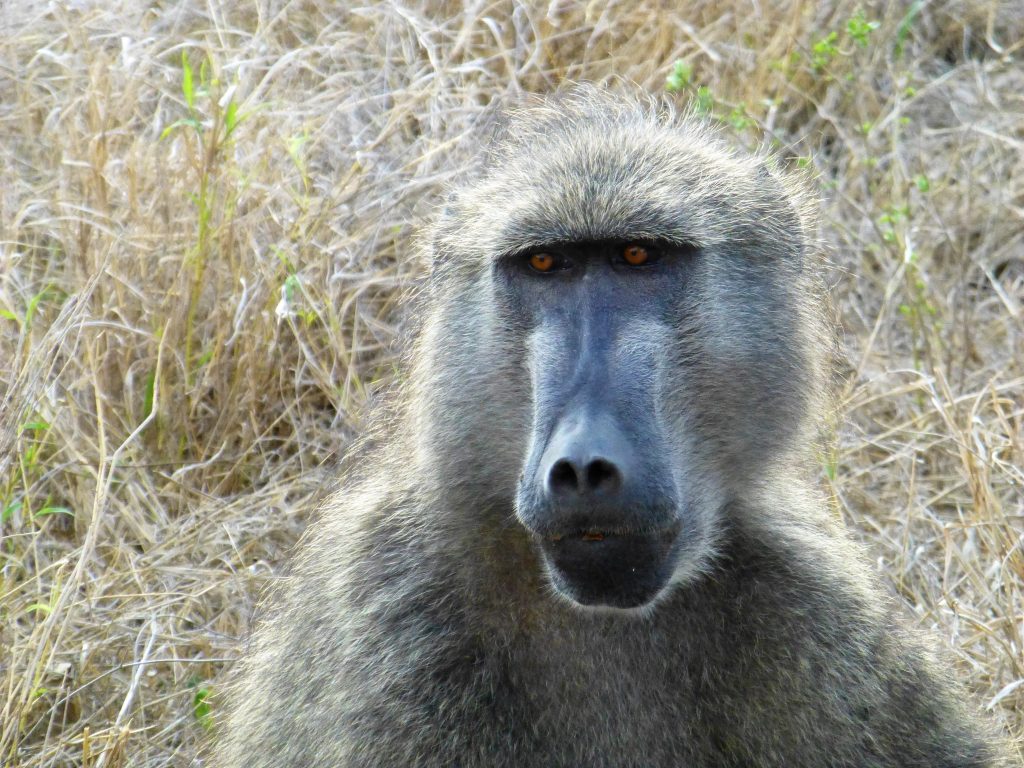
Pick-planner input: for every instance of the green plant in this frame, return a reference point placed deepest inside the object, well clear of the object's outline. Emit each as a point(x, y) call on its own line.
point(680, 77)
point(211, 127)
point(738, 117)
point(893, 215)
point(34, 447)
point(201, 709)
point(824, 50)
point(705, 102)
point(859, 28)
point(903, 30)
point(31, 308)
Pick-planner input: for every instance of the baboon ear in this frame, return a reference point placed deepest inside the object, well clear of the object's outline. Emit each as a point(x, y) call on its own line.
point(768, 171)
point(789, 192)
point(449, 210)
point(769, 175)
point(444, 224)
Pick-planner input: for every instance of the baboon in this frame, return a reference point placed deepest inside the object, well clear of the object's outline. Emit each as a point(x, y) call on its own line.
point(584, 531)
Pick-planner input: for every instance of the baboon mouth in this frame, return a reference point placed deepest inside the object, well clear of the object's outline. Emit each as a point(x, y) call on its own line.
point(621, 569)
point(587, 535)
point(600, 534)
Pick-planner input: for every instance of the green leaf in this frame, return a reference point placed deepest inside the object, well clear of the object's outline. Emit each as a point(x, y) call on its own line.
point(705, 101)
point(187, 87)
point(33, 305)
point(290, 284)
point(903, 31)
point(147, 401)
point(831, 469)
point(824, 50)
point(9, 510)
point(189, 122)
point(201, 707)
point(680, 77)
point(46, 511)
point(738, 118)
point(230, 119)
point(859, 28)
point(295, 145)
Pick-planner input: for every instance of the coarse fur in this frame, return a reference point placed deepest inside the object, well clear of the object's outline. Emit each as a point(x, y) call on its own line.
point(418, 625)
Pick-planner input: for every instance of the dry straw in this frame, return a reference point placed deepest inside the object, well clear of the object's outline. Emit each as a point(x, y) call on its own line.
point(205, 225)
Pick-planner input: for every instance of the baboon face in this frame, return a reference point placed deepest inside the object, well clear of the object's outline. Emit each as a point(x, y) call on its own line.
point(598, 488)
point(641, 311)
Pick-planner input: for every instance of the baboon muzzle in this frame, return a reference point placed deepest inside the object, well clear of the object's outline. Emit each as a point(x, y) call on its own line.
point(597, 491)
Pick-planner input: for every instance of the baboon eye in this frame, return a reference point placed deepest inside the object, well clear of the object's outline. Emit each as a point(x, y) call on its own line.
point(547, 262)
point(635, 255)
point(542, 262)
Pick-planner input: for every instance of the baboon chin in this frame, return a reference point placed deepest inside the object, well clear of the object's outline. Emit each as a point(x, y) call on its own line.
point(618, 570)
point(584, 531)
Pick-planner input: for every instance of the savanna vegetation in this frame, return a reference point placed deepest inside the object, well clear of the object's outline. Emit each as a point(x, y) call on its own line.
point(207, 243)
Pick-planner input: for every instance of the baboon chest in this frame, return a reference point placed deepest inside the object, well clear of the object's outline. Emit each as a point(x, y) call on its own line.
point(622, 693)
point(557, 701)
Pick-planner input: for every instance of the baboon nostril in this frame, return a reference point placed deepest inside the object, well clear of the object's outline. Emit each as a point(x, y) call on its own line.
point(598, 476)
point(562, 478)
point(603, 476)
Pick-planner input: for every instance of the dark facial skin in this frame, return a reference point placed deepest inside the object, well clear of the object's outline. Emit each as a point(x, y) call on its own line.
point(597, 489)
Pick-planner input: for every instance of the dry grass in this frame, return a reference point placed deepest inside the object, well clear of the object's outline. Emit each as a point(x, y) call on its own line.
point(193, 318)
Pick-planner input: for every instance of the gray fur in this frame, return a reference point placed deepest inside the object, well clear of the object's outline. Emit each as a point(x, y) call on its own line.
point(417, 626)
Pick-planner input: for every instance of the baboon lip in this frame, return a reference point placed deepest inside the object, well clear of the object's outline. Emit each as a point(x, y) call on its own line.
point(591, 534)
point(600, 534)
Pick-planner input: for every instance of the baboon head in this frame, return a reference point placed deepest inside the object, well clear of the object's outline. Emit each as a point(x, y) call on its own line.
point(620, 342)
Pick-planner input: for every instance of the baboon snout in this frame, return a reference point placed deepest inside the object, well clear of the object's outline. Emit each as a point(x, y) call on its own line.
point(594, 477)
point(603, 513)
point(598, 489)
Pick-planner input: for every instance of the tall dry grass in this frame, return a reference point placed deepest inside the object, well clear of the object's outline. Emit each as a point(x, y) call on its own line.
point(201, 288)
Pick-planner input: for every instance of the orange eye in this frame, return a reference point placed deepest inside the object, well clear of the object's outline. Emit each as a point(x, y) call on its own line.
point(542, 262)
point(635, 255)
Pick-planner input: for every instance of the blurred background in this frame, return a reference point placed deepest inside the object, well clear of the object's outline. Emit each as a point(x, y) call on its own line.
point(208, 221)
